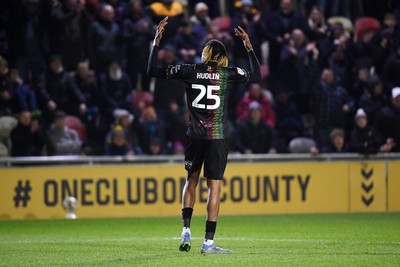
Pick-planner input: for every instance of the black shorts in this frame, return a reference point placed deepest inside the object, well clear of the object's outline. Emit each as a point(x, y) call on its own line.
point(212, 152)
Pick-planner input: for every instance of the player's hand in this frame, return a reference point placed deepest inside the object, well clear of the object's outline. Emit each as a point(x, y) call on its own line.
point(160, 30)
point(239, 32)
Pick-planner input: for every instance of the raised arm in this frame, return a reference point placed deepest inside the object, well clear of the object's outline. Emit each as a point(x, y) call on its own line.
point(255, 73)
point(152, 65)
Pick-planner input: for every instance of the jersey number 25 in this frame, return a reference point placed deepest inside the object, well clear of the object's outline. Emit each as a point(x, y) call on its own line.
point(203, 91)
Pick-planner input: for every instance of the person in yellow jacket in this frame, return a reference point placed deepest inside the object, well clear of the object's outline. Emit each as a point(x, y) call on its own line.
point(171, 9)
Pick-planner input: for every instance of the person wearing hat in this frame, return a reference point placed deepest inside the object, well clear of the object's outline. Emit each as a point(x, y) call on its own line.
point(117, 144)
point(207, 90)
point(364, 139)
point(200, 20)
point(388, 122)
point(123, 120)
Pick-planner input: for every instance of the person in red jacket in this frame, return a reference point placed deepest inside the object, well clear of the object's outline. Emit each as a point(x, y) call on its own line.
point(255, 93)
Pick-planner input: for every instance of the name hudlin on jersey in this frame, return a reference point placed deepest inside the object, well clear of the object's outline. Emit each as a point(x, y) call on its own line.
point(208, 76)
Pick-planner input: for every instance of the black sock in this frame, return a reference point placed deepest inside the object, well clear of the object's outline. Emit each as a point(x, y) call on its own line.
point(186, 216)
point(210, 230)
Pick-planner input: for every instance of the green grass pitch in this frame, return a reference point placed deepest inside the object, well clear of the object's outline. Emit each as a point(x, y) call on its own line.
point(371, 239)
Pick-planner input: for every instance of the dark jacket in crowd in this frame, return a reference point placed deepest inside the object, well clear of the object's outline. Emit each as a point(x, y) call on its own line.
point(103, 44)
point(365, 140)
point(59, 88)
point(388, 124)
point(258, 138)
point(137, 32)
point(71, 27)
point(25, 142)
point(115, 93)
point(329, 100)
point(276, 24)
point(391, 70)
point(372, 104)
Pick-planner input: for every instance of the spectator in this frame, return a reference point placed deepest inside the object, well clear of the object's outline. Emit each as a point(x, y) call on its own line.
point(385, 41)
point(200, 20)
point(57, 91)
point(254, 136)
point(150, 128)
point(175, 12)
point(214, 32)
point(187, 44)
point(315, 29)
point(71, 25)
point(246, 19)
point(391, 73)
point(299, 68)
point(337, 142)
point(350, 9)
point(116, 88)
point(255, 93)
point(7, 101)
point(341, 65)
point(140, 101)
point(138, 33)
point(26, 138)
point(387, 122)
point(156, 147)
point(332, 107)
point(3, 72)
point(361, 84)
point(104, 40)
point(117, 145)
point(126, 120)
point(86, 81)
point(277, 27)
point(338, 40)
point(176, 128)
point(96, 127)
point(121, 10)
point(169, 95)
point(373, 99)
point(25, 97)
point(28, 39)
point(364, 139)
point(288, 124)
point(178, 148)
point(61, 139)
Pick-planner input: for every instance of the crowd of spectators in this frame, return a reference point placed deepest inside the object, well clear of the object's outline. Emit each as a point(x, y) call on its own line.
point(73, 75)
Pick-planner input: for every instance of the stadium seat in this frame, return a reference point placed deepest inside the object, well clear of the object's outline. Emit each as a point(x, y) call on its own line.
point(76, 124)
point(365, 25)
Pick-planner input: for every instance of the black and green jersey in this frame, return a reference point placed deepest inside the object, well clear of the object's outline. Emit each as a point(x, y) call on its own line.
point(207, 89)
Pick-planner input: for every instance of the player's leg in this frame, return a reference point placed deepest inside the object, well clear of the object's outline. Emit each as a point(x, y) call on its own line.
point(214, 168)
point(193, 162)
point(188, 200)
point(213, 202)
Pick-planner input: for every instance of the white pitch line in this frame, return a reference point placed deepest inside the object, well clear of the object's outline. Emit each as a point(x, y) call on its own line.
point(135, 239)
